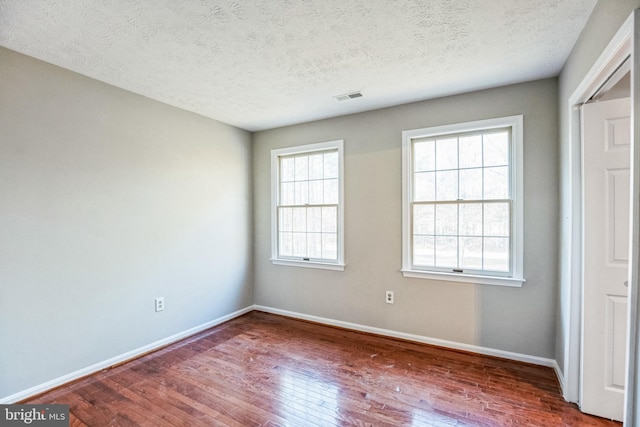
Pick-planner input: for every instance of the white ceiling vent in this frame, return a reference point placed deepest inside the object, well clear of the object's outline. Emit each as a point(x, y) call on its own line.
point(346, 96)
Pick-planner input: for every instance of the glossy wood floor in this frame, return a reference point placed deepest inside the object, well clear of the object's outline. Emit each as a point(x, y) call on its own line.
point(266, 370)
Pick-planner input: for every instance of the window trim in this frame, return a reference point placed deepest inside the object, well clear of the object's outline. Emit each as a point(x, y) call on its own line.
point(516, 123)
point(339, 264)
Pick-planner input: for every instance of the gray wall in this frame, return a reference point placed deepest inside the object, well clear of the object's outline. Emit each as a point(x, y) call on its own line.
point(605, 20)
point(521, 320)
point(108, 200)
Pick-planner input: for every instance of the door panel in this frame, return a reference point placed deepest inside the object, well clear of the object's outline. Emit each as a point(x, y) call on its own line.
point(606, 158)
point(616, 324)
point(618, 189)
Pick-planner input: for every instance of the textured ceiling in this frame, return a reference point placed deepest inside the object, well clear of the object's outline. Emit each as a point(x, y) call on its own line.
point(259, 64)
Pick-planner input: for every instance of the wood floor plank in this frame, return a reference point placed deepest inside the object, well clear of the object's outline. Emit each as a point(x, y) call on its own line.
point(268, 371)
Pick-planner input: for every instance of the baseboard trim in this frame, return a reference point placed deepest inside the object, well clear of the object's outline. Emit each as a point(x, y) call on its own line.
point(133, 354)
point(416, 338)
point(560, 376)
point(125, 357)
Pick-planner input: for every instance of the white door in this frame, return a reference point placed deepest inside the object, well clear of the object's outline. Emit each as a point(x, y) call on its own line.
point(606, 130)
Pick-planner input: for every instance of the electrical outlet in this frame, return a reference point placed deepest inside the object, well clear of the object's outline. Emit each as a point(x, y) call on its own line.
point(389, 297)
point(159, 303)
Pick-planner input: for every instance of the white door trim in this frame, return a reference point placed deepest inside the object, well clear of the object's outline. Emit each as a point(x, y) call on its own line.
point(611, 58)
point(632, 400)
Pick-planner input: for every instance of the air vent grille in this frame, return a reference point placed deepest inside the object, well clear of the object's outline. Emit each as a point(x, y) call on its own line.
point(347, 96)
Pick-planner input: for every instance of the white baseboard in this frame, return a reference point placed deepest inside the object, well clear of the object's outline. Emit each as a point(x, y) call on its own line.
point(41, 388)
point(56, 382)
point(560, 376)
point(417, 338)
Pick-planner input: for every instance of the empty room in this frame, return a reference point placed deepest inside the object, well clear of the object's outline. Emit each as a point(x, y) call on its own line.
point(319, 213)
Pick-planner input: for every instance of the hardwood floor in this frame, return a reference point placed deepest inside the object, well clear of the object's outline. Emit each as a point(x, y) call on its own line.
point(265, 370)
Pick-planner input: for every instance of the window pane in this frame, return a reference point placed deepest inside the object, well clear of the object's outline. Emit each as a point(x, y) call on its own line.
point(287, 195)
point(424, 251)
point(301, 193)
point(331, 165)
point(329, 220)
point(496, 183)
point(470, 151)
point(446, 252)
point(471, 253)
point(471, 184)
point(314, 219)
point(496, 220)
point(286, 244)
point(316, 192)
point(329, 246)
point(286, 219)
point(471, 219)
point(424, 187)
point(496, 148)
point(300, 244)
point(286, 168)
point(447, 153)
point(331, 195)
point(447, 220)
point(447, 185)
point(316, 166)
point(496, 253)
point(423, 219)
point(302, 168)
point(424, 156)
point(314, 245)
point(299, 219)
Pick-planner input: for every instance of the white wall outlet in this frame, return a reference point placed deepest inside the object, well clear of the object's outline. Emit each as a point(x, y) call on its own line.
point(389, 297)
point(159, 303)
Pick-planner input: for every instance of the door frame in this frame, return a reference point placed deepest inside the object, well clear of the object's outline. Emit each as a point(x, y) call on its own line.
point(624, 44)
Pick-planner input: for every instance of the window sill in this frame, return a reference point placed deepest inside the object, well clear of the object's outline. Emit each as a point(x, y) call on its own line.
point(465, 278)
point(309, 264)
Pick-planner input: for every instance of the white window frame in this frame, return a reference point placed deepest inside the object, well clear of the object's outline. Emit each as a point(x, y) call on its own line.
point(516, 278)
point(339, 264)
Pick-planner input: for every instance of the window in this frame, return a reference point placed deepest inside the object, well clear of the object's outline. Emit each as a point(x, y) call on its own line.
point(307, 206)
point(462, 202)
